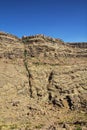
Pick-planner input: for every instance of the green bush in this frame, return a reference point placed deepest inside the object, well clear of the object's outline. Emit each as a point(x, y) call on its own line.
point(25, 53)
point(78, 128)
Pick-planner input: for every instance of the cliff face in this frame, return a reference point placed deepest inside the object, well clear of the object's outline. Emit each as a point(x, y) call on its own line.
point(10, 46)
point(43, 83)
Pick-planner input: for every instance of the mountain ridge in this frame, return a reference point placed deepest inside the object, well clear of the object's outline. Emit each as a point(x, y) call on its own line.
point(38, 35)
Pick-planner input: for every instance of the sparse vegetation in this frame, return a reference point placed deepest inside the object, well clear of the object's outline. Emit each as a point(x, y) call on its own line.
point(78, 128)
point(39, 126)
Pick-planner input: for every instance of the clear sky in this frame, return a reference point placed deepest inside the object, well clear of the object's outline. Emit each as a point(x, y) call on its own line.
point(65, 19)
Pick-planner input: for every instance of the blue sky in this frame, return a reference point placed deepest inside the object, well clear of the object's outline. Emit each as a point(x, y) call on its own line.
point(65, 19)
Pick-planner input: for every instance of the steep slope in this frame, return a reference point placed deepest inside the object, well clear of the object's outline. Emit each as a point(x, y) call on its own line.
point(43, 83)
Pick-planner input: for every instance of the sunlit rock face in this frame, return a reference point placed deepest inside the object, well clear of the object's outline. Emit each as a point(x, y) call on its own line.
point(44, 79)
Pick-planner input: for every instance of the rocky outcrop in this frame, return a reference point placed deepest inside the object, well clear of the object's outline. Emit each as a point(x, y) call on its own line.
point(42, 49)
point(78, 44)
point(43, 83)
point(40, 38)
point(10, 46)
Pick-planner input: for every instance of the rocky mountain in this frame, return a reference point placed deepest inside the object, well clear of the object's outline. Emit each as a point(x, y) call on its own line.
point(43, 83)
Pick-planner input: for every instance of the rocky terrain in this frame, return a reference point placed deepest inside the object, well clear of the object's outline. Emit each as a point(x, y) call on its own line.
point(43, 83)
